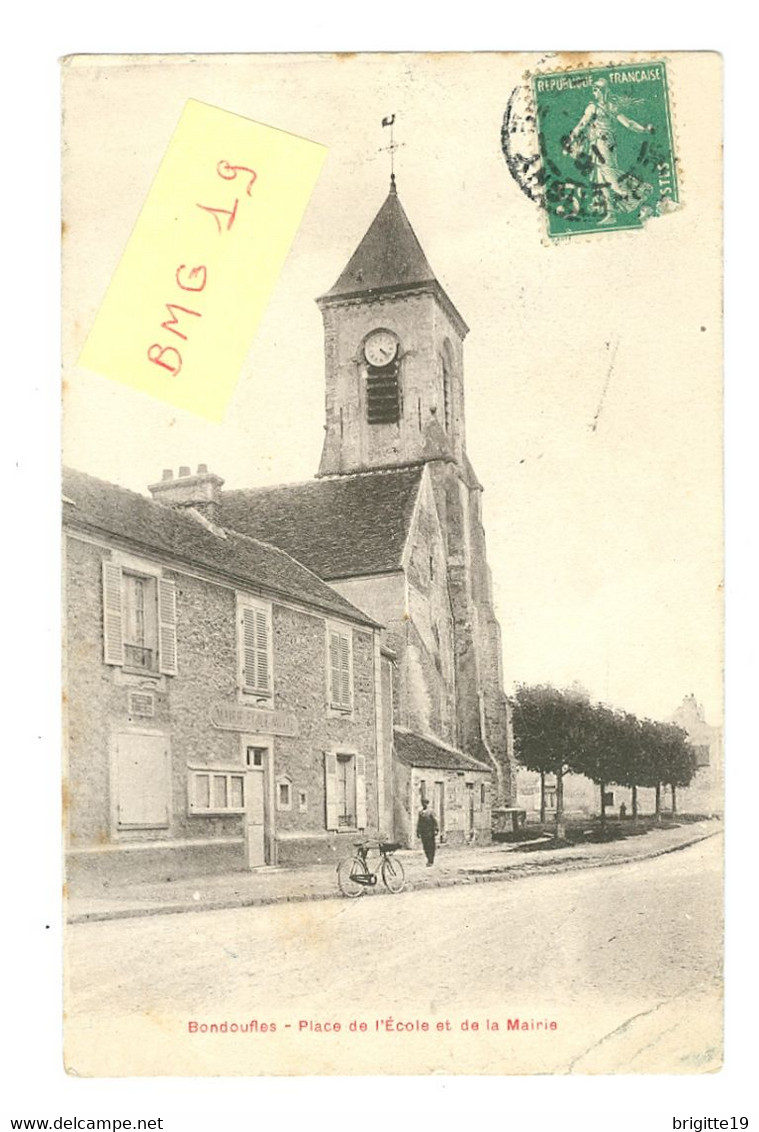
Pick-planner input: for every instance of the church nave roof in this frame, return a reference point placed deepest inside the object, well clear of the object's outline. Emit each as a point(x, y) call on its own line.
point(339, 527)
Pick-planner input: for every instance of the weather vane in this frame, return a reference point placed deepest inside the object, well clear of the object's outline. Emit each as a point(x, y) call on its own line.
point(392, 147)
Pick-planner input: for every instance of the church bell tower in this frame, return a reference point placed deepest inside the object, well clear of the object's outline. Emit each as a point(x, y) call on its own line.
point(393, 344)
point(393, 355)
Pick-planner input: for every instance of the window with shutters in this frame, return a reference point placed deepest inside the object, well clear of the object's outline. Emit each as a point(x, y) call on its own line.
point(345, 790)
point(255, 649)
point(140, 611)
point(340, 669)
point(139, 620)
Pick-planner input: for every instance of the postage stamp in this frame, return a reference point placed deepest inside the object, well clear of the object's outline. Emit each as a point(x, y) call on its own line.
point(594, 147)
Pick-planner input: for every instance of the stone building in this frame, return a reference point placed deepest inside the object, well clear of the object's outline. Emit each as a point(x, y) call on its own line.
point(255, 676)
point(705, 795)
point(224, 705)
point(393, 520)
point(458, 788)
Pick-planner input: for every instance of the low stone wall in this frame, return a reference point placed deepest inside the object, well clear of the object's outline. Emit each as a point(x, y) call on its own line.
point(319, 850)
point(99, 870)
point(458, 837)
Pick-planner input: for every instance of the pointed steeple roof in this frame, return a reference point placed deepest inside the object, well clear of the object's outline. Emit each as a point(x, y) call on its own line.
point(389, 255)
point(389, 258)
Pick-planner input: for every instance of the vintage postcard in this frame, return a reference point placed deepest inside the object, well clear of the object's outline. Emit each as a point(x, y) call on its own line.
point(392, 564)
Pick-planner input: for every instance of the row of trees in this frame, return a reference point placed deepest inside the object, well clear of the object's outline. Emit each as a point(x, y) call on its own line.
point(560, 732)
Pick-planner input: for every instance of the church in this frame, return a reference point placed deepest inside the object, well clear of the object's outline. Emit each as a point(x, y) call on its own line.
point(281, 668)
point(393, 521)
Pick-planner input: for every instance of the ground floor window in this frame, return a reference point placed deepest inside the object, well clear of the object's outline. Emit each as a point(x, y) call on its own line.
point(141, 781)
point(255, 756)
point(216, 792)
point(284, 794)
point(345, 790)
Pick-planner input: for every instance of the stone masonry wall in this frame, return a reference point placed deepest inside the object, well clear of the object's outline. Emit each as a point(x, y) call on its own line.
point(207, 675)
point(350, 442)
point(301, 689)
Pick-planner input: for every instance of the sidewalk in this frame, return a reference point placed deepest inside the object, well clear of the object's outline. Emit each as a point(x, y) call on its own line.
point(459, 865)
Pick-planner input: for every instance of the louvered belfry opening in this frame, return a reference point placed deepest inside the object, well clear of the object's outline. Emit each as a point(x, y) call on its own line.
point(382, 394)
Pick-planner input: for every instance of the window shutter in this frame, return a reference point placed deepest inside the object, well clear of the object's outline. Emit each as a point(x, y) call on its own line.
point(361, 791)
point(256, 670)
point(330, 789)
point(142, 782)
point(167, 626)
point(262, 650)
point(113, 636)
point(334, 669)
point(339, 670)
point(248, 648)
point(345, 673)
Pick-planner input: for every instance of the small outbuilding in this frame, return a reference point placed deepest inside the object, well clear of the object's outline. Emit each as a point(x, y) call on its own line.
point(457, 786)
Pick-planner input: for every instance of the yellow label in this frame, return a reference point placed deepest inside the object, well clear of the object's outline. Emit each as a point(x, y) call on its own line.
point(179, 316)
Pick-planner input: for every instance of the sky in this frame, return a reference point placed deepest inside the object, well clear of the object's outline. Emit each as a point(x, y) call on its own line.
point(592, 369)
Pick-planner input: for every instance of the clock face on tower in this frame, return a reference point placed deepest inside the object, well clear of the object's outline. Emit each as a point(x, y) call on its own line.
point(380, 348)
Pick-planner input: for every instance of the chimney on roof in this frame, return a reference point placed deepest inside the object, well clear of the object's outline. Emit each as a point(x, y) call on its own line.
point(201, 491)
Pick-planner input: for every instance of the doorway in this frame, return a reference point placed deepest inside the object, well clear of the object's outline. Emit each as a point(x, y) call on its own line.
point(258, 808)
point(470, 810)
point(438, 806)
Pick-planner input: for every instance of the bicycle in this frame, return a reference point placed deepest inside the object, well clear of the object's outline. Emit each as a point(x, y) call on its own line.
point(355, 875)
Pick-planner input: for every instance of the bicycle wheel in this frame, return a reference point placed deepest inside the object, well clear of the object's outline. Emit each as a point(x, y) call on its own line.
point(393, 875)
point(352, 876)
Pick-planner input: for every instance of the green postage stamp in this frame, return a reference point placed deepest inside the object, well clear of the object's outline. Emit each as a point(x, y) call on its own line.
point(606, 149)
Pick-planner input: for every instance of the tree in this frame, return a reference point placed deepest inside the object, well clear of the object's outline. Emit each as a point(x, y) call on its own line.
point(631, 769)
point(556, 732)
point(600, 755)
point(667, 758)
point(680, 759)
point(649, 768)
point(548, 726)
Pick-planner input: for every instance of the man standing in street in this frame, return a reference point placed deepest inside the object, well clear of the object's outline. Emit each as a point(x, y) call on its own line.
point(426, 829)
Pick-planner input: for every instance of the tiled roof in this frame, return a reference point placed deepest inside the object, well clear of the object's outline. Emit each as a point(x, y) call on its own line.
point(422, 751)
point(96, 506)
point(340, 527)
point(388, 256)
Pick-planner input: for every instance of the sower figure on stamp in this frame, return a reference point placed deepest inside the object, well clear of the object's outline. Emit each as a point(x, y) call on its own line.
point(426, 829)
point(593, 144)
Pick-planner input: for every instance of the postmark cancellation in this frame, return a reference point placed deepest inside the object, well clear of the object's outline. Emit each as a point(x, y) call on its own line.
point(594, 146)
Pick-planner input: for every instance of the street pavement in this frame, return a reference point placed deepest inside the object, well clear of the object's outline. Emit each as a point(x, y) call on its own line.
point(453, 866)
point(625, 960)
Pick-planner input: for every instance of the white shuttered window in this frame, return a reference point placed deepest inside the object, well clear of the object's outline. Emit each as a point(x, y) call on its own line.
point(167, 627)
point(345, 790)
point(139, 619)
point(340, 664)
point(113, 637)
point(141, 782)
point(255, 649)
